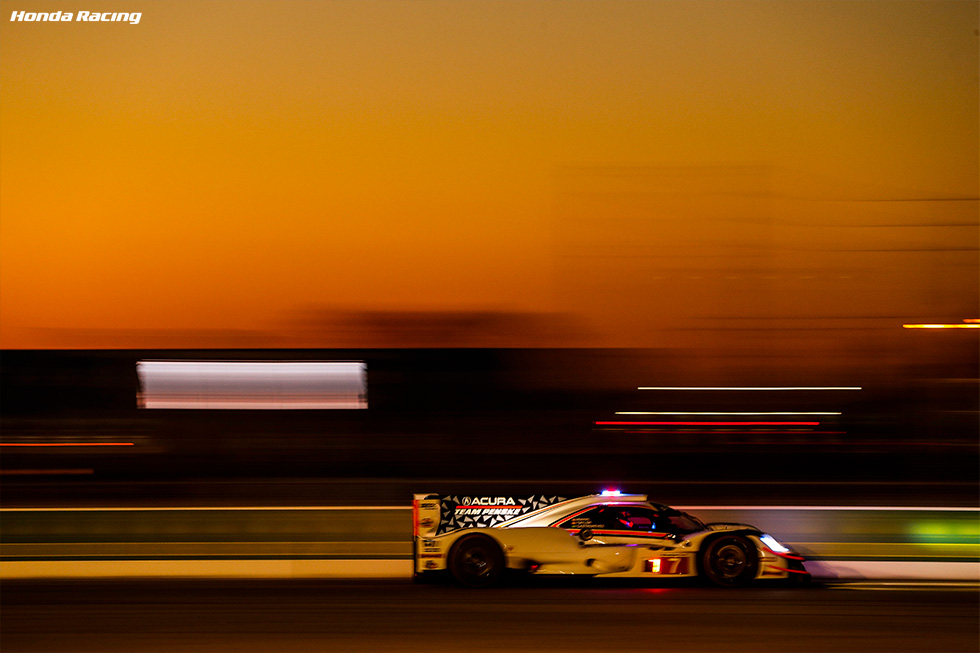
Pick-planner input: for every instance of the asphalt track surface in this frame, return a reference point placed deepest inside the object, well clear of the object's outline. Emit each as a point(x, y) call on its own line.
point(251, 616)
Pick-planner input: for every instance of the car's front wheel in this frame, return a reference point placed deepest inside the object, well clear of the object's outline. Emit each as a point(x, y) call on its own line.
point(476, 561)
point(730, 561)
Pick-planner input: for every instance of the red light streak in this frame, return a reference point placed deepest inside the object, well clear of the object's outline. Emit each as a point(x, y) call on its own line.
point(45, 472)
point(642, 534)
point(788, 556)
point(792, 571)
point(67, 444)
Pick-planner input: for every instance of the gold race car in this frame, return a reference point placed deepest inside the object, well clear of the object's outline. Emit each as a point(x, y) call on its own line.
point(611, 534)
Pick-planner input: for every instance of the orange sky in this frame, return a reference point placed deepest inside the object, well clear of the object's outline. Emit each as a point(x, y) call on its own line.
point(636, 168)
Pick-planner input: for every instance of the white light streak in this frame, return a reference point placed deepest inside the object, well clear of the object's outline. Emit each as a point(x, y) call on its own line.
point(739, 389)
point(252, 385)
point(639, 412)
point(408, 508)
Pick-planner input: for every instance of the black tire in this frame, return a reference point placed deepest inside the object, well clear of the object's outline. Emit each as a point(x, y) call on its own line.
point(476, 561)
point(730, 561)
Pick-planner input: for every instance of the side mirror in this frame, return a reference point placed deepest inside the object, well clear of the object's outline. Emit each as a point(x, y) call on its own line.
point(585, 534)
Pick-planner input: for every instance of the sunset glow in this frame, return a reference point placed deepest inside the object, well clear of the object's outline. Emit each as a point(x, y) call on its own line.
point(626, 174)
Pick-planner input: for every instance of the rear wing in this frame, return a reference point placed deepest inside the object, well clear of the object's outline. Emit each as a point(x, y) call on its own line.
point(434, 514)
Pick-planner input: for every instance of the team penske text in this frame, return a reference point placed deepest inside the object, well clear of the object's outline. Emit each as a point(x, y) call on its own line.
point(133, 18)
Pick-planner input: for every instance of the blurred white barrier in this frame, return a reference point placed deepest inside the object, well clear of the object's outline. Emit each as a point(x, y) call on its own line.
point(840, 543)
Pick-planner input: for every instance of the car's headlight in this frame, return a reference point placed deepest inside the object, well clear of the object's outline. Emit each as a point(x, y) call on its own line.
point(771, 542)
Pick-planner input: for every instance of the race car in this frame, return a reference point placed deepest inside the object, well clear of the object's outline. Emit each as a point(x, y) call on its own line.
point(610, 535)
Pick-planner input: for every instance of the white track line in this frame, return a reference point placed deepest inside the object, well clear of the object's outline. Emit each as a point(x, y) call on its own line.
point(203, 508)
point(354, 508)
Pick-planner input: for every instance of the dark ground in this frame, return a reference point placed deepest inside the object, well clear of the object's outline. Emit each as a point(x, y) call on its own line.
point(292, 616)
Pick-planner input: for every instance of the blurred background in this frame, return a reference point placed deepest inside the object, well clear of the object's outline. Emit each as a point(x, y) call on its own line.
point(512, 216)
point(116, 427)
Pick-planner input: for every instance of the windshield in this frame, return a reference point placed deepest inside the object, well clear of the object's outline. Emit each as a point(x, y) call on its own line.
point(683, 522)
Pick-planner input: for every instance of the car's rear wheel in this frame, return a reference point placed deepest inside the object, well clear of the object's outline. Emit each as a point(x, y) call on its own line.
point(476, 561)
point(730, 561)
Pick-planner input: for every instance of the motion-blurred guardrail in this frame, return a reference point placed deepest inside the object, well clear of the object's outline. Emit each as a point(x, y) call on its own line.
point(839, 542)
